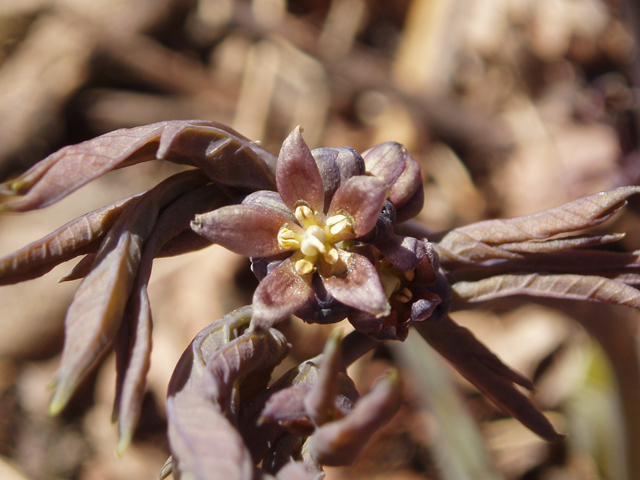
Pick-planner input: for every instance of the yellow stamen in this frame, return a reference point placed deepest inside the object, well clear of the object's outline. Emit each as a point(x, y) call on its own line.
point(304, 267)
point(404, 296)
point(287, 239)
point(332, 256)
point(338, 224)
point(390, 283)
point(305, 215)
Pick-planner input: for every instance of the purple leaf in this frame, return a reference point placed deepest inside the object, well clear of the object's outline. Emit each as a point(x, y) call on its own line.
point(573, 287)
point(204, 443)
point(339, 442)
point(217, 149)
point(71, 167)
point(233, 361)
point(98, 306)
point(320, 401)
point(577, 215)
point(223, 154)
point(134, 359)
point(484, 370)
point(79, 236)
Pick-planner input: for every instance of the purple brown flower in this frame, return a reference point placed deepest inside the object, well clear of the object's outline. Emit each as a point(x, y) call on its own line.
point(312, 234)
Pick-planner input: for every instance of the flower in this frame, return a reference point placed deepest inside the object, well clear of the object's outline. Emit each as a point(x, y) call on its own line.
point(310, 228)
point(413, 293)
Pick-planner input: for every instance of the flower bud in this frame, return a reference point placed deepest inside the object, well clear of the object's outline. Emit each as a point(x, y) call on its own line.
point(391, 162)
point(336, 166)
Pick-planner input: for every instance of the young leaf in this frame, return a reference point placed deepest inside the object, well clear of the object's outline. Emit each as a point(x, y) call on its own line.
point(217, 149)
point(569, 286)
point(484, 370)
point(577, 215)
point(98, 306)
point(77, 237)
point(136, 330)
point(236, 359)
point(473, 242)
point(204, 443)
point(339, 442)
point(71, 167)
point(220, 152)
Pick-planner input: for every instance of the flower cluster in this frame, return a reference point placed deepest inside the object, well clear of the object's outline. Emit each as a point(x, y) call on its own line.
point(327, 235)
point(324, 245)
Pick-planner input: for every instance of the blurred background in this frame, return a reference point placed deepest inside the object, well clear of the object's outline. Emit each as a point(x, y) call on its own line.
point(510, 106)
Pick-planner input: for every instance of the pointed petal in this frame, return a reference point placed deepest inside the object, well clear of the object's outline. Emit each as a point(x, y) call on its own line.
point(406, 253)
point(391, 162)
point(336, 166)
point(249, 230)
point(360, 288)
point(362, 197)
point(279, 294)
point(270, 200)
point(297, 174)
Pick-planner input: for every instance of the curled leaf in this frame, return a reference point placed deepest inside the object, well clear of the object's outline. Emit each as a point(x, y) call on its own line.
point(320, 401)
point(220, 152)
point(577, 215)
point(205, 444)
point(477, 242)
point(236, 359)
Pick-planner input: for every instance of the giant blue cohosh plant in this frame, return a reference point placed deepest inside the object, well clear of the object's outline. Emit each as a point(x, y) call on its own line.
point(328, 235)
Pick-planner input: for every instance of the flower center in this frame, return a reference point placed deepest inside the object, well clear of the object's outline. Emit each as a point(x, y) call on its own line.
point(318, 240)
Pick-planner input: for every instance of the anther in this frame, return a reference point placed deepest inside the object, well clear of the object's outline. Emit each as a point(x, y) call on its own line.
point(304, 214)
point(410, 275)
point(332, 256)
point(304, 267)
point(287, 239)
point(404, 296)
point(338, 224)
